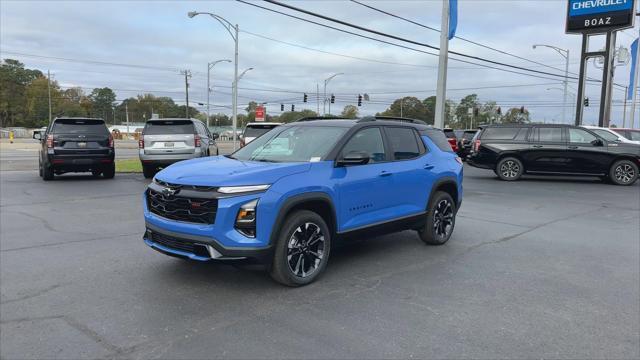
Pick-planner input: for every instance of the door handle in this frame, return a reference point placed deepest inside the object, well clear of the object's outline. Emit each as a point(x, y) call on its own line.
point(385, 173)
point(428, 166)
point(537, 146)
point(573, 147)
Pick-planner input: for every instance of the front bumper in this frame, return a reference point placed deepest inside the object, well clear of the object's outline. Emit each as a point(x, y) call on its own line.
point(216, 241)
point(199, 248)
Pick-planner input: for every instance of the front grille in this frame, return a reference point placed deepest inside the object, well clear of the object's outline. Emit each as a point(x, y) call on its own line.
point(175, 207)
point(172, 243)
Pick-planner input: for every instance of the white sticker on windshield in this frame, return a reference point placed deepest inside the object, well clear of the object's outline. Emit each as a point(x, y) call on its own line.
point(315, 159)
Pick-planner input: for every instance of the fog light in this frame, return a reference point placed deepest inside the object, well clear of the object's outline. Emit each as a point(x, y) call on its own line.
point(246, 219)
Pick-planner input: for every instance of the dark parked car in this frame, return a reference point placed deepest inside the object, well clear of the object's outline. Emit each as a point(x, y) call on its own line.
point(513, 150)
point(76, 145)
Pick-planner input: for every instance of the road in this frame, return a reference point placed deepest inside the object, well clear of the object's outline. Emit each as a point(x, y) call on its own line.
point(541, 268)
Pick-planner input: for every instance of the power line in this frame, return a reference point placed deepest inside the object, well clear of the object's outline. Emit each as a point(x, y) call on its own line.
point(457, 37)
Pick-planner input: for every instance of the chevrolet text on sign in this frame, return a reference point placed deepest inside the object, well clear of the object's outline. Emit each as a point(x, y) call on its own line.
point(599, 15)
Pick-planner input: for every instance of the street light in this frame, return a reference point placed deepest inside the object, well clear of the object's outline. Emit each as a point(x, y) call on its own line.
point(233, 31)
point(209, 89)
point(567, 92)
point(565, 54)
point(326, 81)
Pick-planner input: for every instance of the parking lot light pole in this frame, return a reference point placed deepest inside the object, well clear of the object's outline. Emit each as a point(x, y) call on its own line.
point(209, 89)
point(565, 54)
point(324, 103)
point(233, 31)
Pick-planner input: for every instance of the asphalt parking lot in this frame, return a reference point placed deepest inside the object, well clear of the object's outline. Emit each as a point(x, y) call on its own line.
point(541, 268)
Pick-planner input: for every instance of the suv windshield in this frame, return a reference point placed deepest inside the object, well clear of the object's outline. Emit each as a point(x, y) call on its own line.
point(168, 127)
point(79, 126)
point(292, 144)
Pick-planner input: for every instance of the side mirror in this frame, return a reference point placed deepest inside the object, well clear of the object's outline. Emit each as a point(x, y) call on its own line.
point(215, 136)
point(37, 135)
point(597, 142)
point(354, 158)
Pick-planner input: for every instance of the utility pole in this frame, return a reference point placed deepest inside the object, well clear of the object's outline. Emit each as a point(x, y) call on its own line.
point(318, 99)
point(126, 111)
point(49, 91)
point(187, 75)
point(441, 88)
point(624, 112)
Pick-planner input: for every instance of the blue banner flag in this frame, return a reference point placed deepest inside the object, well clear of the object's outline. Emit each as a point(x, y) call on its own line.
point(634, 63)
point(453, 18)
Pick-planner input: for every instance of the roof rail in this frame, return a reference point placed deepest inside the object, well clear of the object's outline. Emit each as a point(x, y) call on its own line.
point(392, 118)
point(314, 118)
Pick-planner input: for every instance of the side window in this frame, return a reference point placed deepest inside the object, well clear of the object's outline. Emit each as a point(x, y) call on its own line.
point(500, 133)
point(522, 134)
point(367, 140)
point(549, 134)
point(403, 143)
point(580, 136)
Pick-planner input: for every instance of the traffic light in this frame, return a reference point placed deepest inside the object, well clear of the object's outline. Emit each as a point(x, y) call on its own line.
point(293, 107)
point(499, 111)
point(586, 101)
point(522, 110)
point(281, 107)
point(304, 98)
point(359, 100)
point(333, 99)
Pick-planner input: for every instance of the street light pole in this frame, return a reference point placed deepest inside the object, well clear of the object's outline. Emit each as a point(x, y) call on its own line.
point(209, 89)
point(565, 54)
point(233, 31)
point(324, 103)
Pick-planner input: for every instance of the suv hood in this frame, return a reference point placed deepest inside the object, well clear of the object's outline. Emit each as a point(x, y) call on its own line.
point(223, 171)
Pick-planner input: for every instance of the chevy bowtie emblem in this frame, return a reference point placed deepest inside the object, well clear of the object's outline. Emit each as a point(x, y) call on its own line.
point(169, 191)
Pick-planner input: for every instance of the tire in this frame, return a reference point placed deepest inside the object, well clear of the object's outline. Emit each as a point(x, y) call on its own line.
point(623, 172)
point(217, 152)
point(40, 167)
point(47, 173)
point(441, 219)
point(148, 171)
point(109, 171)
point(509, 169)
point(305, 237)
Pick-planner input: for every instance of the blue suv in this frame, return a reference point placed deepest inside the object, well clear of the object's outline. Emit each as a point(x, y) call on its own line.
point(287, 197)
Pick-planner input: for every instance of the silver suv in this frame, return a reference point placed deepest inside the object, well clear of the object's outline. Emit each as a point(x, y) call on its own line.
point(166, 141)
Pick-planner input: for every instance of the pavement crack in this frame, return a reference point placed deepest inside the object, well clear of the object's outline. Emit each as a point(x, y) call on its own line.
point(70, 242)
point(92, 334)
point(37, 293)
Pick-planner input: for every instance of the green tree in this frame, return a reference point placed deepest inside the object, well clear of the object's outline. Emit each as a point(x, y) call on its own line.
point(14, 79)
point(350, 112)
point(290, 116)
point(463, 117)
point(514, 116)
point(102, 103)
point(408, 107)
point(37, 102)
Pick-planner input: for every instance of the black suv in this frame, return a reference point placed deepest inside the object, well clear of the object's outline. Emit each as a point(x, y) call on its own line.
point(513, 150)
point(76, 145)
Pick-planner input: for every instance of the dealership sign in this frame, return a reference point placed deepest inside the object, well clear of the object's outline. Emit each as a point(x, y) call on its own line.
point(260, 113)
point(598, 16)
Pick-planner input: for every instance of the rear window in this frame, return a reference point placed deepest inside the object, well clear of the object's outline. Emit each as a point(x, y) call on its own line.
point(257, 130)
point(438, 138)
point(404, 144)
point(500, 133)
point(468, 135)
point(80, 126)
point(169, 127)
point(449, 133)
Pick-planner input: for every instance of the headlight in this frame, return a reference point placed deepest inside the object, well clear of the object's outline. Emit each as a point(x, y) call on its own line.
point(246, 219)
point(242, 189)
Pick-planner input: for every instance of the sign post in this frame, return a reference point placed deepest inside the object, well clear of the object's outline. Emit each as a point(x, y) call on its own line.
point(598, 17)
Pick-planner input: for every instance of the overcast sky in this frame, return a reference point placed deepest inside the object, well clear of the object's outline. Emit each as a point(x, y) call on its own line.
point(161, 39)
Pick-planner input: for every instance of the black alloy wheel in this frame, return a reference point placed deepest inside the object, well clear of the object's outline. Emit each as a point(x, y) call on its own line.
point(302, 249)
point(623, 172)
point(509, 169)
point(441, 219)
